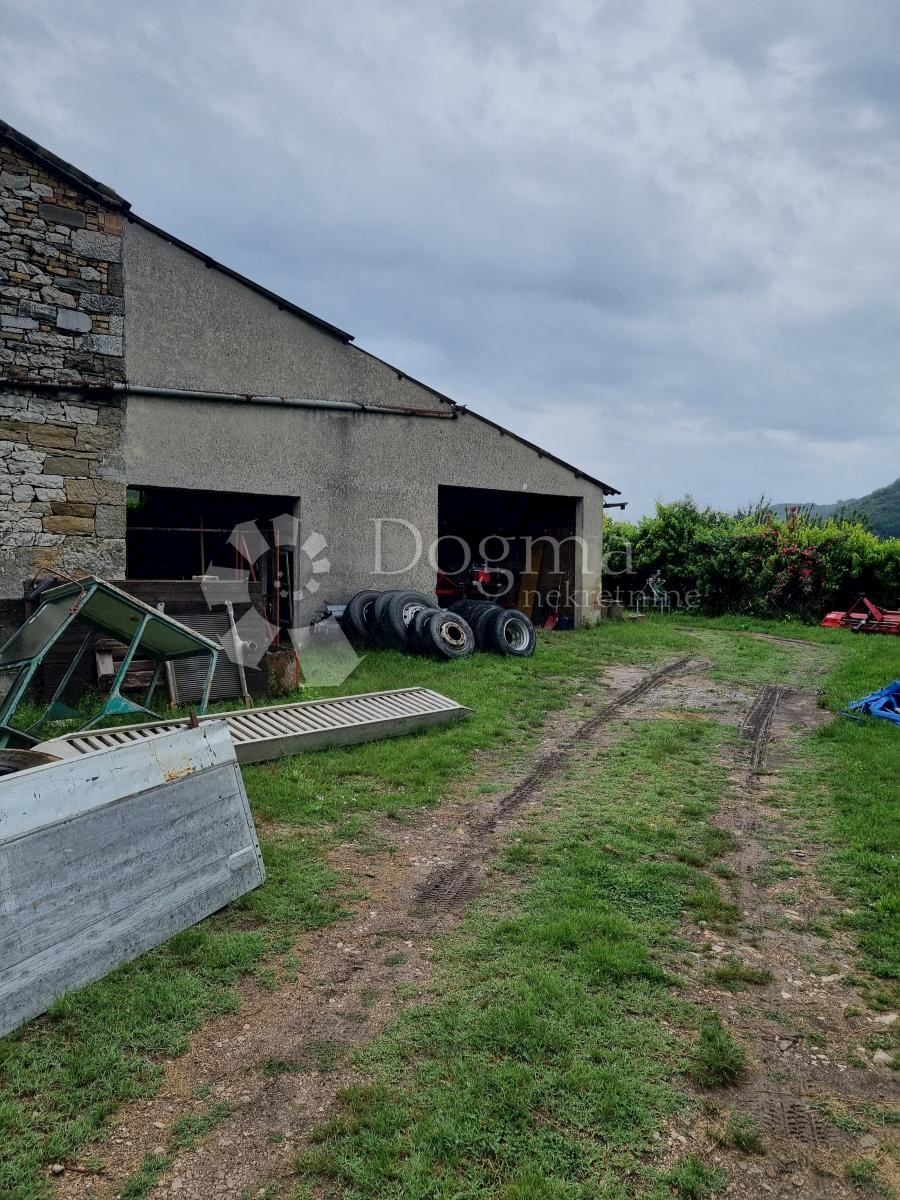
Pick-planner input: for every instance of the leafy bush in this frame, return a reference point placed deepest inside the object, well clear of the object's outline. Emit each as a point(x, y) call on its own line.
point(754, 562)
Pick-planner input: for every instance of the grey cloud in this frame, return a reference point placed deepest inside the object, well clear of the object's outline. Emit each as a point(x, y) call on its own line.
point(659, 237)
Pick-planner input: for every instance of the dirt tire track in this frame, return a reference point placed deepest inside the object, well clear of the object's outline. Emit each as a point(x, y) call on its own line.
point(457, 882)
point(345, 995)
point(804, 1049)
point(758, 725)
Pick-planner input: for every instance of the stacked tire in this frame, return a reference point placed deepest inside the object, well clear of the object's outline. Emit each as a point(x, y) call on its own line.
point(413, 621)
point(407, 620)
point(498, 630)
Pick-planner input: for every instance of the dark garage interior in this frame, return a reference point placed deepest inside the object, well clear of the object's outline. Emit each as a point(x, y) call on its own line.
point(182, 533)
point(484, 550)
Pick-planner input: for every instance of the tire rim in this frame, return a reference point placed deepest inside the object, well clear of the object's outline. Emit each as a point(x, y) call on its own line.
point(453, 634)
point(517, 634)
point(410, 612)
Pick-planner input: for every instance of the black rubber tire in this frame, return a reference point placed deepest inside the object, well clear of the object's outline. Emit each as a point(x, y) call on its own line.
point(416, 635)
point(358, 616)
point(397, 614)
point(461, 607)
point(509, 631)
point(448, 635)
point(480, 620)
point(470, 608)
point(377, 630)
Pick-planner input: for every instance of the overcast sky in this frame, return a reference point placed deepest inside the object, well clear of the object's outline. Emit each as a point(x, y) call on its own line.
point(659, 237)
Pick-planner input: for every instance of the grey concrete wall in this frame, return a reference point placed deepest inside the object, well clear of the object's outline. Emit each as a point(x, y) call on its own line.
point(191, 326)
point(348, 470)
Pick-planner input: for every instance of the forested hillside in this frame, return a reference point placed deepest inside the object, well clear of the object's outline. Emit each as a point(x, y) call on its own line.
point(881, 508)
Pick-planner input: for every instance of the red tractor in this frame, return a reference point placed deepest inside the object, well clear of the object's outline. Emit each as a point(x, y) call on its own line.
point(864, 617)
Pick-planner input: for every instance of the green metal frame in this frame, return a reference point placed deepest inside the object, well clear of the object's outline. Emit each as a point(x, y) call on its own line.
point(115, 704)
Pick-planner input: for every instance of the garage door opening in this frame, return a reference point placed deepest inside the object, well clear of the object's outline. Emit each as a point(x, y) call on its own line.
point(516, 547)
point(179, 533)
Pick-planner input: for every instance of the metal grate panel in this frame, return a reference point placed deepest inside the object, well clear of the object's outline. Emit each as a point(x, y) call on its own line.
point(264, 733)
point(190, 673)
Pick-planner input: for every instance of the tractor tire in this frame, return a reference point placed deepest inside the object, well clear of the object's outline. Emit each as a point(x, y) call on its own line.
point(509, 631)
point(359, 615)
point(416, 638)
point(448, 635)
point(463, 608)
point(480, 620)
point(398, 614)
point(379, 618)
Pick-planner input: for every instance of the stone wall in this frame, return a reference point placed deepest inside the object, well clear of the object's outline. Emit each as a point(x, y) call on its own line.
point(62, 294)
point(62, 486)
point(62, 322)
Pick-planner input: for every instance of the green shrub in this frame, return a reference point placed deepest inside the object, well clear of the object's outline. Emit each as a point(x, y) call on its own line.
point(754, 562)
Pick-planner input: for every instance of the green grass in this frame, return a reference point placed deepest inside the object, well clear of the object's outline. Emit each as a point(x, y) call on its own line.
point(556, 1045)
point(316, 1056)
point(847, 787)
point(864, 1174)
point(692, 1179)
point(63, 1076)
point(186, 1132)
point(733, 975)
point(146, 1177)
point(744, 1133)
point(718, 1060)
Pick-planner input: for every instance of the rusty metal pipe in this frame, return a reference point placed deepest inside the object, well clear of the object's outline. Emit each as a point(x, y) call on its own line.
point(164, 393)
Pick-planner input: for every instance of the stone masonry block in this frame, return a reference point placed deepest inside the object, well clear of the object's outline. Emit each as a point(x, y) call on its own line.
point(54, 437)
point(89, 243)
point(103, 343)
point(94, 303)
point(65, 465)
point(40, 312)
point(72, 508)
point(110, 520)
point(53, 295)
point(84, 525)
point(80, 414)
point(75, 322)
point(57, 215)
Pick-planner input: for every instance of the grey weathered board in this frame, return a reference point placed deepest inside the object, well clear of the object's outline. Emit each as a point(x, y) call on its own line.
point(265, 733)
point(108, 854)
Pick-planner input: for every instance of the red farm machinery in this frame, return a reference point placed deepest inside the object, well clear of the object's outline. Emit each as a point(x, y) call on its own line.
point(864, 617)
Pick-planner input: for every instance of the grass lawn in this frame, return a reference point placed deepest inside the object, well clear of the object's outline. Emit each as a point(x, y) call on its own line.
point(552, 1051)
point(581, 952)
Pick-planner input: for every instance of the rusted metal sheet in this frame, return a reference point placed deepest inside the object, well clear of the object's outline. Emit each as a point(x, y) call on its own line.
point(107, 854)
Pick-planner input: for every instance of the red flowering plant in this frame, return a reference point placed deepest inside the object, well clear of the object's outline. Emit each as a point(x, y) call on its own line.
point(755, 562)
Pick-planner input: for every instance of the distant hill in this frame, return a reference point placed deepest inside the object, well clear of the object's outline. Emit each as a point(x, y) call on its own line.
point(882, 507)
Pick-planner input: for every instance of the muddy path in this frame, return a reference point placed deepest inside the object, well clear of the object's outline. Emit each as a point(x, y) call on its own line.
point(274, 1069)
point(814, 1086)
point(278, 1064)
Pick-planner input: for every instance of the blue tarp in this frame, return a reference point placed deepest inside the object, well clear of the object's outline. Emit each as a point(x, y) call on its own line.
point(885, 704)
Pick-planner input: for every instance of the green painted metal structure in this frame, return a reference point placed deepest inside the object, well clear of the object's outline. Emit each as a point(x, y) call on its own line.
point(98, 608)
